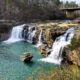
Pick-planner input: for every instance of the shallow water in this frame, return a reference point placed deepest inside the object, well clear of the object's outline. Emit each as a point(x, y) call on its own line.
point(12, 68)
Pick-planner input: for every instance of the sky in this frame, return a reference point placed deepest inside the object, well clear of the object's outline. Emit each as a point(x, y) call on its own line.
point(77, 1)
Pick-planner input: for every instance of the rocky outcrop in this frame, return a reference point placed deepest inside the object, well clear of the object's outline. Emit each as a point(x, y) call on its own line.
point(5, 29)
point(50, 31)
point(44, 50)
point(26, 57)
point(72, 55)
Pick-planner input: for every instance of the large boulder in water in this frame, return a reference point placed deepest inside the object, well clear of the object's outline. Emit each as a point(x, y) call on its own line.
point(26, 57)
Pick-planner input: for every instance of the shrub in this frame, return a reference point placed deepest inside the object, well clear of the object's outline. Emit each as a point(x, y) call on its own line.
point(73, 44)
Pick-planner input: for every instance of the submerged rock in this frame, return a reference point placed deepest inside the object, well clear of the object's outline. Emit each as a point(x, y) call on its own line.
point(26, 57)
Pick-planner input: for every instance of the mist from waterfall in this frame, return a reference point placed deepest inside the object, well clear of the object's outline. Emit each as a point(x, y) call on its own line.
point(58, 46)
point(16, 34)
point(39, 43)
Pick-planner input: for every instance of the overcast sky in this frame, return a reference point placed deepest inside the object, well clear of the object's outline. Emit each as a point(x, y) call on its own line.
point(77, 1)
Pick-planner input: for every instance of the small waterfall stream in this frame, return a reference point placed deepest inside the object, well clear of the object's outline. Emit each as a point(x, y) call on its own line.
point(16, 34)
point(58, 45)
point(30, 33)
point(39, 39)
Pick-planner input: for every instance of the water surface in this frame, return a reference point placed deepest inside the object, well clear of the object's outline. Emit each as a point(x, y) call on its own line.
point(12, 68)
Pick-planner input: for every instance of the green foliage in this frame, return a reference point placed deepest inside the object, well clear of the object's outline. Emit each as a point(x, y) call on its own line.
point(57, 2)
point(8, 1)
point(73, 44)
point(71, 4)
point(36, 10)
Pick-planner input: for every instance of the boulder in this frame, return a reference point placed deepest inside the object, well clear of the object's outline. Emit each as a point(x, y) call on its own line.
point(26, 57)
point(44, 50)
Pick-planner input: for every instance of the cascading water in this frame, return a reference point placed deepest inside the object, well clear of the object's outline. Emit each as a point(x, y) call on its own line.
point(58, 45)
point(30, 33)
point(16, 34)
point(39, 39)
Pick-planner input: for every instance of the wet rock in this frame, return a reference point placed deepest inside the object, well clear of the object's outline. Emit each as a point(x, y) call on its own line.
point(44, 50)
point(36, 36)
point(25, 31)
point(50, 31)
point(47, 37)
point(5, 30)
point(26, 57)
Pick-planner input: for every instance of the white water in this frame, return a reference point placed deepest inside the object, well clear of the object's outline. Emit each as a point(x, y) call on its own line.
point(39, 39)
point(16, 34)
point(62, 41)
point(30, 34)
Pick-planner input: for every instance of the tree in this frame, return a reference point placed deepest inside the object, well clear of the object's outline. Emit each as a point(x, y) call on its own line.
point(70, 4)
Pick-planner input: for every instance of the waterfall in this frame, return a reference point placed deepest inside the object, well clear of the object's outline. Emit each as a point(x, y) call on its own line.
point(57, 48)
point(16, 34)
point(39, 39)
point(30, 33)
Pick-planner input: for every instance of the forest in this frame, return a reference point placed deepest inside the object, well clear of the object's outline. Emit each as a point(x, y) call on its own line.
point(33, 10)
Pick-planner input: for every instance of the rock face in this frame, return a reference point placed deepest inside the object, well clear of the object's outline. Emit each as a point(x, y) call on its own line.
point(5, 29)
point(50, 31)
point(26, 57)
point(73, 56)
